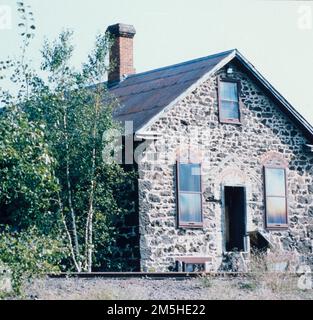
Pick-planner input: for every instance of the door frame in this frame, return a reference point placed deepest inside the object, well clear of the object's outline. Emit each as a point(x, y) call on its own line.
point(245, 237)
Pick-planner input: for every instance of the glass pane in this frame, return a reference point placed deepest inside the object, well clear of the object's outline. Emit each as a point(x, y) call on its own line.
point(189, 177)
point(275, 182)
point(229, 110)
point(276, 210)
point(229, 91)
point(189, 267)
point(190, 207)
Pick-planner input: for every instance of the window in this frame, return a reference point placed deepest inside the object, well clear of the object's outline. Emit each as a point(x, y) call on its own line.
point(275, 197)
point(189, 194)
point(229, 102)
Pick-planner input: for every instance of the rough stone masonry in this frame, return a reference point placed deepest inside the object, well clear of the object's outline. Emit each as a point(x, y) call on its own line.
point(231, 154)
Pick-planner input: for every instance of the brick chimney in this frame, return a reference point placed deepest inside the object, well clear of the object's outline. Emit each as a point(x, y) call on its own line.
point(121, 54)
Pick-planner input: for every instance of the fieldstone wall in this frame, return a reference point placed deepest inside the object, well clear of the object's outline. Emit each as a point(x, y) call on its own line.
point(231, 155)
point(124, 254)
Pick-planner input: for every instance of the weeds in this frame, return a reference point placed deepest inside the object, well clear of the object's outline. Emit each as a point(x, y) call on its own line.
point(274, 270)
point(248, 285)
point(206, 281)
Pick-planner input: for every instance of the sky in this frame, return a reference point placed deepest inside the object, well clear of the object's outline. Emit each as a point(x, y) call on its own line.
point(275, 36)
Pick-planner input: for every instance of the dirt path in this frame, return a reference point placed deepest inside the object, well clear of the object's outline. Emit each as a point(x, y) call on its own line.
point(151, 289)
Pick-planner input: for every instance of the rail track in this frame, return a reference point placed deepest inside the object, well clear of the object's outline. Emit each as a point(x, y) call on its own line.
point(155, 275)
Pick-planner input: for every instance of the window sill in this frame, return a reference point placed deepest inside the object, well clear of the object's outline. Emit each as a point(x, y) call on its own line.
point(277, 227)
point(231, 122)
point(238, 251)
point(190, 225)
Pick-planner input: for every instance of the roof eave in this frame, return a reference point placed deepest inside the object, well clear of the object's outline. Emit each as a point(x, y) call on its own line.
point(289, 108)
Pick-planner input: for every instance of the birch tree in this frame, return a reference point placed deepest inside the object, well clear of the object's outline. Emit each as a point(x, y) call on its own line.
point(71, 109)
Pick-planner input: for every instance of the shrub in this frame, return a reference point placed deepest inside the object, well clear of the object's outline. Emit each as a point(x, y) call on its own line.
point(29, 253)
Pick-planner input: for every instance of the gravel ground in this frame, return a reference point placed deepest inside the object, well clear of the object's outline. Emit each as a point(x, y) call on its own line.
point(152, 289)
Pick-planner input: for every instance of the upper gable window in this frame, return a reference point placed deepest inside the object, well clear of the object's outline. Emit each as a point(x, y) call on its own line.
point(229, 101)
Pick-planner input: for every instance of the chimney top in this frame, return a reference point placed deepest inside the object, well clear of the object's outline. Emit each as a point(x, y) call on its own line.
point(122, 30)
point(121, 53)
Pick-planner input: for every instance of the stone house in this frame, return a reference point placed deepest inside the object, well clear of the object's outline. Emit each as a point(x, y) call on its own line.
point(224, 162)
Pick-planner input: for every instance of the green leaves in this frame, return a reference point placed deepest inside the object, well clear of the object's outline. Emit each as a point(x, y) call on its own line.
point(29, 254)
point(52, 174)
point(26, 24)
point(26, 174)
point(57, 54)
point(96, 68)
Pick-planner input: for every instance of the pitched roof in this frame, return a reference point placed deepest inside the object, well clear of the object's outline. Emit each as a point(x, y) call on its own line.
point(145, 96)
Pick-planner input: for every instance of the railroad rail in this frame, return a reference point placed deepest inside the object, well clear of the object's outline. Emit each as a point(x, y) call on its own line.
point(157, 275)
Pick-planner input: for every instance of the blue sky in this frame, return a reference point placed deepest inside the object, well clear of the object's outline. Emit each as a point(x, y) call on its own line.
point(276, 36)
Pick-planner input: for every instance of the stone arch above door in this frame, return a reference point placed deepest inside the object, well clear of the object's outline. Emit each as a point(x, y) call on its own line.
point(232, 171)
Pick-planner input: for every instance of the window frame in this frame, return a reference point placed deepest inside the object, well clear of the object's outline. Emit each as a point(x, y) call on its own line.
point(180, 222)
point(229, 121)
point(276, 226)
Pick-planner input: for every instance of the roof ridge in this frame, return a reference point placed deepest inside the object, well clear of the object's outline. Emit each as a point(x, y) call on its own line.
point(180, 64)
